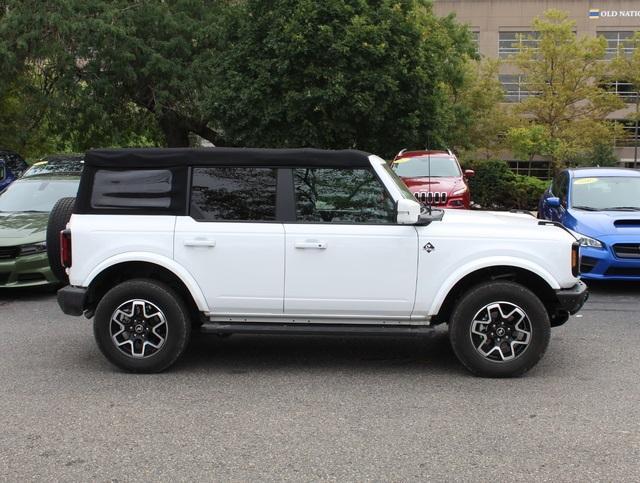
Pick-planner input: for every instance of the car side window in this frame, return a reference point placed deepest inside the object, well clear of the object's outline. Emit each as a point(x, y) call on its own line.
point(333, 195)
point(132, 189)
point(16, 164)
point(559, 185)
point(233, 194)
point(562, 187)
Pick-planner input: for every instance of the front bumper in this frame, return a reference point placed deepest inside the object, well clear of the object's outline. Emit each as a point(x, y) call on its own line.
point(26, 271)
point(72, 299)
point(572, 299)
point(603, 264)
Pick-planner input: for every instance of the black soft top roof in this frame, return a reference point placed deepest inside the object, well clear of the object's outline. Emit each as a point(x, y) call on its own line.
point(170, 157)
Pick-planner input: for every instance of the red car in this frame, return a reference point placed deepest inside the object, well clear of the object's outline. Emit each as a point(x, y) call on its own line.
point(448, 186)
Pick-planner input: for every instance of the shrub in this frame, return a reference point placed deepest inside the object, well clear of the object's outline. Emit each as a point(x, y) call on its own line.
point(496, 187)
point(525, 192)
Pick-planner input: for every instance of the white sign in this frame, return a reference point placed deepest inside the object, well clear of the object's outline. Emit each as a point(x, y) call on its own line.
point(597, 13)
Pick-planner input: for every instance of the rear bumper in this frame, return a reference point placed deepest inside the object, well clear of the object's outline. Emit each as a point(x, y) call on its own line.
point(572, 299)
point(72, 299)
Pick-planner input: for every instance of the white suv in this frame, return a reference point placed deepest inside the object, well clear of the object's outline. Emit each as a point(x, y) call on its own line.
point(300, 241)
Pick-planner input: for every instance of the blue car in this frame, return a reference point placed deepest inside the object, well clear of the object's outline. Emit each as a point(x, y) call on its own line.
point(12, 166)
point(6, 176)
point(602, 207)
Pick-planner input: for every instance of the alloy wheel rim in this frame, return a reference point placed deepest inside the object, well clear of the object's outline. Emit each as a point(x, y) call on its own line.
point(138, 328)
point(501, 331)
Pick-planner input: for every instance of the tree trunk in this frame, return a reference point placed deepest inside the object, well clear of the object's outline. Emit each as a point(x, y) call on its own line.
point(175, 132)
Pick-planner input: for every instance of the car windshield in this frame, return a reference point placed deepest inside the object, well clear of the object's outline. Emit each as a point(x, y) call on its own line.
point(59, 165)
point(418, 167)
point(36, 194)
point(606, 193)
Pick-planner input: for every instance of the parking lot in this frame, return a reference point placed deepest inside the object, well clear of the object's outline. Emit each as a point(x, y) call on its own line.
point(303, 408)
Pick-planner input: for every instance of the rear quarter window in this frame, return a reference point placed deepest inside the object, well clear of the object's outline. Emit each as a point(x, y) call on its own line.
point(133, 191)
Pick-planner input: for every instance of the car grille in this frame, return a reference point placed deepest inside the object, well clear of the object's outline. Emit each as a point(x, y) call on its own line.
point(431, 197)
point(8, 253)
point(627, 250)
point(623, 271)
point(4, 277)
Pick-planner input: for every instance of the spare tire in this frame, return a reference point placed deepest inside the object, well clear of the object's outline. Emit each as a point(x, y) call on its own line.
point(58, 219)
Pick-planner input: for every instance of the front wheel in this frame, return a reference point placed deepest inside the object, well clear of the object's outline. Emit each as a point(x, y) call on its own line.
point(142, 326)
point(499, 329)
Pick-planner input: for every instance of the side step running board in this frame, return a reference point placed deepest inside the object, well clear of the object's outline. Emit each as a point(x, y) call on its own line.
point(314, 329)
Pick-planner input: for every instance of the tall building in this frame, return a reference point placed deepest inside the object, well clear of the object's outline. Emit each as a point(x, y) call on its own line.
point(497, 24)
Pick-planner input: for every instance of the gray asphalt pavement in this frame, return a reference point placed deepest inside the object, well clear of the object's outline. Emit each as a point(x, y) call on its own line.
point(309, 408)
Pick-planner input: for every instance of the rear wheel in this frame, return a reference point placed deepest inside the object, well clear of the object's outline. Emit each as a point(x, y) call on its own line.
point(499, 329)
point(58, 219)
point(142, 326)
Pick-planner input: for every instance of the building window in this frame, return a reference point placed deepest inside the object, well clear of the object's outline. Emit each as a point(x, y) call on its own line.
point(624, 89)
point(510, 43)
point(475, 37)
point(616, 41)
point(631, 134)
point(515, 87)
point(540, 169)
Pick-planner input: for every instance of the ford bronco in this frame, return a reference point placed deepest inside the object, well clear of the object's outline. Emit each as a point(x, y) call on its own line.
point(160, 244)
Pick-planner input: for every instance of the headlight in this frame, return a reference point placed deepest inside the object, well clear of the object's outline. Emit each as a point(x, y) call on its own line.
point(33, 248)
point(586, 241)
point(459, 192)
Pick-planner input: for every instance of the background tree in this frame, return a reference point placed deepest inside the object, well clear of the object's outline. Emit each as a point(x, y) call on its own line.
point(363, 74)
point(339, 73)
point(482, 118)
point(529, 141)
point(566, 73)
point(626, 66)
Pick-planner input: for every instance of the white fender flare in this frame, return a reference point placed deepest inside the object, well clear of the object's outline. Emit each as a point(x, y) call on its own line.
point(488, 262)
point(152, 258)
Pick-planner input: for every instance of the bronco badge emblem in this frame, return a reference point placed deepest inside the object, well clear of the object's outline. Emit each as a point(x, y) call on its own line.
point(429, 247)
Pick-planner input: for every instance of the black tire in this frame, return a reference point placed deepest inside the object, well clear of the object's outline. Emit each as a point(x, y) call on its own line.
point(170, 305)
point(471, 307)
point(58, 219)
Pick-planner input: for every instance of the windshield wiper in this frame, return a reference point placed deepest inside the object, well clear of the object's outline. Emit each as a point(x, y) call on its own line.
point(585, 208)
point(622, 208)
point(31, 211)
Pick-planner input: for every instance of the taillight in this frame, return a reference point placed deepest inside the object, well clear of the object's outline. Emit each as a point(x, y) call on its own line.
point(575, 259)
point(65, 248)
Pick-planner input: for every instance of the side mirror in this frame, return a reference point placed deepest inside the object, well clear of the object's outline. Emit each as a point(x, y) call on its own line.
point(469, 173)
point(553, 202)
point(407, 212)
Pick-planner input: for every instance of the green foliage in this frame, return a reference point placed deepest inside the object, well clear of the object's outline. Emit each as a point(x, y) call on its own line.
point(599, 155)
point(331, 74)
point(528, 141)
point(496, 187)
point(525, 192)
point(490, 185)
point(567, 73)
point(482, 116)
